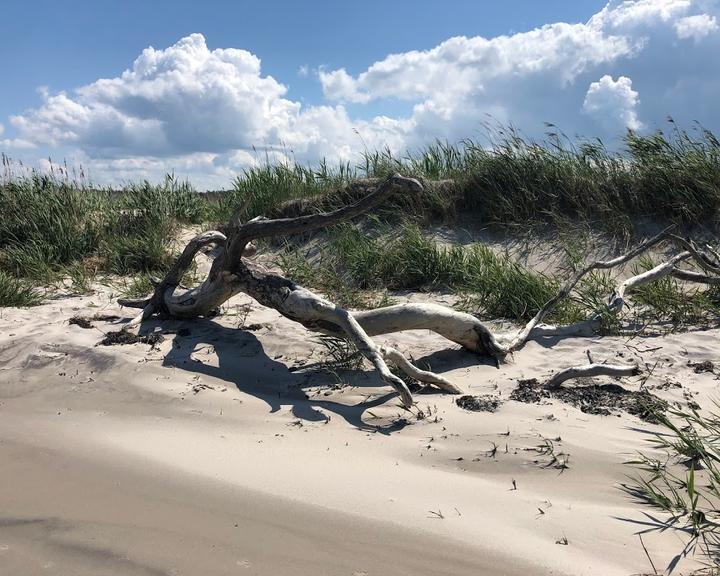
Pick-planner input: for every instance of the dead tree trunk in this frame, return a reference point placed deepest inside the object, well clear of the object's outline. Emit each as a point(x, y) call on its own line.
point(233, 272)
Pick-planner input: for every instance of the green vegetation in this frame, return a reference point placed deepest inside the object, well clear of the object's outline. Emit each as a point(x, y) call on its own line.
point(52, 227)
point(16, 292)
point(492, 284)
point(682, 479)
point(512, 180)
point(515, 181)
point(669, 302)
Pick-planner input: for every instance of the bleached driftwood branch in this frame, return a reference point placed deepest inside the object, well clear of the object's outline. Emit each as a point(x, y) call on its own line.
point(232, 272)
point(590, 370)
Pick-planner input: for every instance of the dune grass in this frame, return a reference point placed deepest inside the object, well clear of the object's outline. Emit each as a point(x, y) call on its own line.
point(17, 292)
point(487, 283)
point(681, 479)
point(52, 226)
point(671, 176)
point(666, 177)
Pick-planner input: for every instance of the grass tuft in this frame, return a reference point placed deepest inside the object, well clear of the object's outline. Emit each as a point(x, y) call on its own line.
point(16, 292)
point(491, 284)
point(684, 480)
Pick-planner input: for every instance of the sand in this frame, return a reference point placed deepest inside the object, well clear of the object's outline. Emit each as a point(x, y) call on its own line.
point(219, 452)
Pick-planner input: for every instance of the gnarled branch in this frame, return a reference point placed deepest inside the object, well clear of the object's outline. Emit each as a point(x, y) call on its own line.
point(233, 273)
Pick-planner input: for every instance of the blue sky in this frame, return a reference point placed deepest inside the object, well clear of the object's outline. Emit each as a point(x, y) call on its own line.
point(326, 79)
point(65, 44)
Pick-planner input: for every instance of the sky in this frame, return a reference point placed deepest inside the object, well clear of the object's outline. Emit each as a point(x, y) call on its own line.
point(134, 90)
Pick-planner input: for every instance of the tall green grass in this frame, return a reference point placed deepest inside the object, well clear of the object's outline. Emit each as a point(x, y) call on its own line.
point(671, 177)
point(46, 223)
point(262, 189)
point(52, 225)
point(492, 284)
point(17, 292)
point(141, 221)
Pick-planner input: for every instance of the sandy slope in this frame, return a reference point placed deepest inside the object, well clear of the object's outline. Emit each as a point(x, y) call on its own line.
point(208, 456)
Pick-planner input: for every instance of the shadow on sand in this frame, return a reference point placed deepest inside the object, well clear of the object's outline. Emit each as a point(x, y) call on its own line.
point(243, 362)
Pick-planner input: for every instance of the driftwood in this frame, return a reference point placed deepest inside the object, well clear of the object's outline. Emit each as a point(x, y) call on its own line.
point(233, 272)
point(589, 370)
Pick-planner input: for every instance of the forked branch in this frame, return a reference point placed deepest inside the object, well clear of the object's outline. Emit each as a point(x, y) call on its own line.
point(232, 273)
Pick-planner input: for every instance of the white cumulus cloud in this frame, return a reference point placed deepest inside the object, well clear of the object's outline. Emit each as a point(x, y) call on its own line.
point(543, 75)
point(14, 144)
point(339, 85)
point(633, 13)
point(613, 102)
point(696, 27)
point(185, 98)
point(462, 65)
point(204, 112)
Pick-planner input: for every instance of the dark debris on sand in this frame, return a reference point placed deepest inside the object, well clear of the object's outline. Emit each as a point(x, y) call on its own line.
point(700, 367)
point(87, 322)
point(593, 398)
point(81, 321)
point(124, 337)
point(255, 327)
point(478, 403)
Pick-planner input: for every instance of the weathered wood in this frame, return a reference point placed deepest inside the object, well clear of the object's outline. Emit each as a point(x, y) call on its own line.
point(590, 370)
point(519, 340)
point(692, 276)
point(232, 272)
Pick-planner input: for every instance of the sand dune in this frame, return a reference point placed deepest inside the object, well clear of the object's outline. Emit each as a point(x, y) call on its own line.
point(215, 453)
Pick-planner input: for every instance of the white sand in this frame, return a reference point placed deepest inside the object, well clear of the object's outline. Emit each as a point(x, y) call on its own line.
point(110, 463)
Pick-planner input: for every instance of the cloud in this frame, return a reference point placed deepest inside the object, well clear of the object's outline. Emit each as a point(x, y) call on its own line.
point(613, 102)
point(203, 112)
point(183, 99)
point(339, 85)
point(17, 144)
point(462, 65)
point(696, 27)
point(14, 143)
point(187, 99)
point(550, 74)
point(639, 13)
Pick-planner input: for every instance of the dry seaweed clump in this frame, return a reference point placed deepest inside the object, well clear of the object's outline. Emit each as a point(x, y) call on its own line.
point(81, 321)
point(124, 337)
point(478, 403)
point(703, 366)
point(593, 398)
